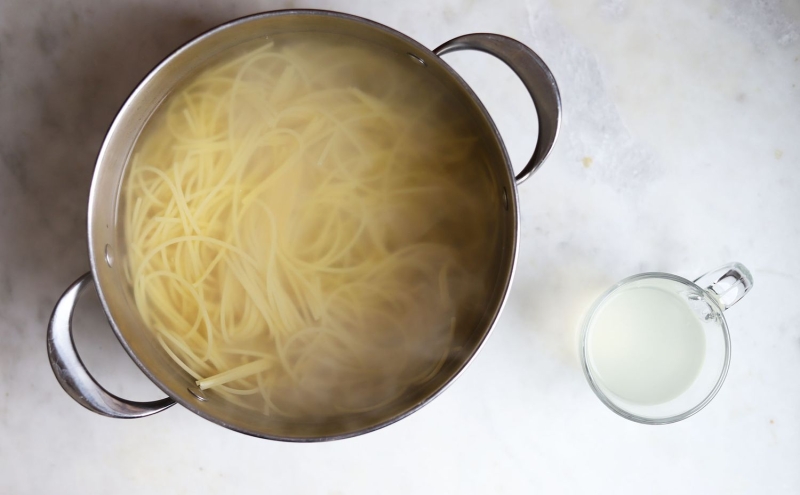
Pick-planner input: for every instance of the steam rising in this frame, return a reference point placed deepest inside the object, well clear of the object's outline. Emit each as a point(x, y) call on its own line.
point(308, 225)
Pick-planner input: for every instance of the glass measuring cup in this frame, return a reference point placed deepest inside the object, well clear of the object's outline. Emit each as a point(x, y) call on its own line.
point(655, 348)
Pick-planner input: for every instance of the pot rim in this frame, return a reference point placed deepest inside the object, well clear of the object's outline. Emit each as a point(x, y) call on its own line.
point(510, 197)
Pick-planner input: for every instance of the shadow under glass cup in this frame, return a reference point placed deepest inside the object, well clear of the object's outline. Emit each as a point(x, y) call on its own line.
point(655, 347)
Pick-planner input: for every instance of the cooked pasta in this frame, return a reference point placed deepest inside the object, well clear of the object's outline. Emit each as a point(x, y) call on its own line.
point(307, 225)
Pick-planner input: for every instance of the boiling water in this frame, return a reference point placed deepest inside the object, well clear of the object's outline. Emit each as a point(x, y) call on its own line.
point(646, 344)
point(311, 225)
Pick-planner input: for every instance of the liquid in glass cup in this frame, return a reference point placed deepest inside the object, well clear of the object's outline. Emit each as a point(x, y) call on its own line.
point(655, 347)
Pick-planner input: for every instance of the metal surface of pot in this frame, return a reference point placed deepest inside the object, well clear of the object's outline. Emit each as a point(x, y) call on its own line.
point(106, 247)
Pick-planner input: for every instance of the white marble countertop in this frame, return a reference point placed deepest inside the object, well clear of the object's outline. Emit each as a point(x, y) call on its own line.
point(679, 151)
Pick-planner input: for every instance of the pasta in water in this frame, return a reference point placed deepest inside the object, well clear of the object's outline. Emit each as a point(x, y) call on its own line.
point(308, 225)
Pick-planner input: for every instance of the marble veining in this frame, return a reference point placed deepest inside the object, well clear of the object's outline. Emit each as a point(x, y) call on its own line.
point(679, 152)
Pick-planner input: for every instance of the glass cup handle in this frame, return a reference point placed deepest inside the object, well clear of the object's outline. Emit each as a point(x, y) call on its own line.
point(727, 284)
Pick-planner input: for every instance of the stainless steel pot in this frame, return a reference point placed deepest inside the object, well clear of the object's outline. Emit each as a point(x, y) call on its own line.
point(105, 241)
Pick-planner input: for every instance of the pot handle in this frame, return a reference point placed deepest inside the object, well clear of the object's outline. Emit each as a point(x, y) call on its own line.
point(536, 77)
point(72, 374)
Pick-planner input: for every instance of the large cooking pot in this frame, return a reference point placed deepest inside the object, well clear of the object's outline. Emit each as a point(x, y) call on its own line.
point(106, 245)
